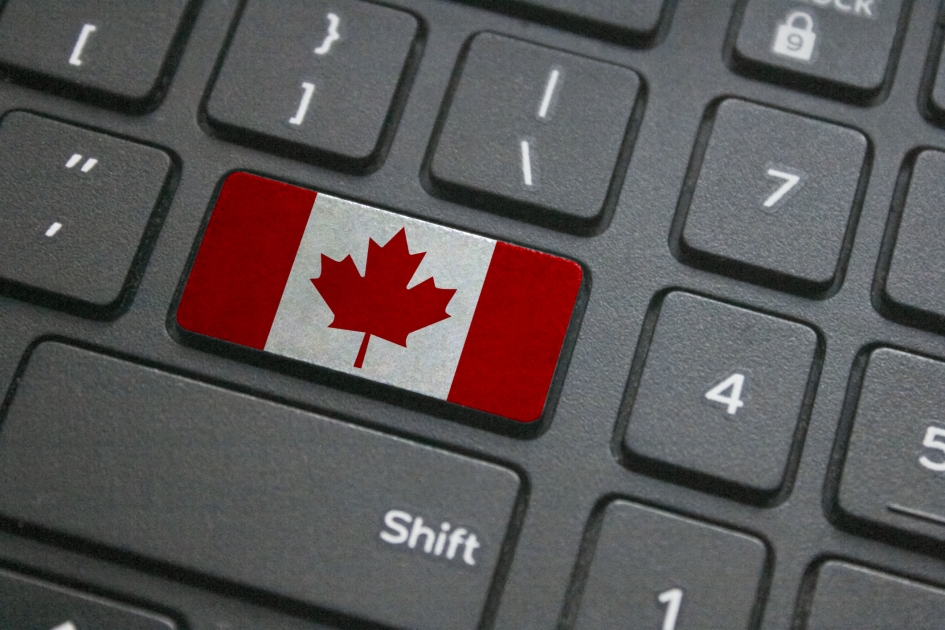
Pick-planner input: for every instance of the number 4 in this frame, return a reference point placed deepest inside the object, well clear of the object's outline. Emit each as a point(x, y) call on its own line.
point(733, 402)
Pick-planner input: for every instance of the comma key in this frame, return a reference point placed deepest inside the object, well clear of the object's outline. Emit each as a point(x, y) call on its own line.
point(270, 497)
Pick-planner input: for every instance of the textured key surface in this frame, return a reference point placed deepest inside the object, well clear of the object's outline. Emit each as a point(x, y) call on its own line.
point(849, 596)
point(270, 497)
point(535, 132)
point(111, 47)
point(774, 196)
point(575, 466)
point(313, 77)
point(894, 471)
point(937, 100)
point(654, 569)
point(842, 45)
point(616, 19)
point(75, 207)
point(29, 604)
point(722, 392)
point(915, 279)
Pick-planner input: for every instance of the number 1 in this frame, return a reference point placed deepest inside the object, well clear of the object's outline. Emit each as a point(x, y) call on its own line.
point(673, 600)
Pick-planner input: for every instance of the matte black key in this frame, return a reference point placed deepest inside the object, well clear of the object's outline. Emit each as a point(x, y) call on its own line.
point(30, 604)
point(895, 460)
point(848, 596)
point(774, 197)
point(634, 21)
point(112, 48)
point(535, 132)
point(938, 89)
point(654, 569)
point(722, 393)
point(288, 502)
point(838, 47)
point(74, 205)
point(317, 78)
point(915, 279)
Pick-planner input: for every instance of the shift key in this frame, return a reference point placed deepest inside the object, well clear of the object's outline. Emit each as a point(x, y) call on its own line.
point(252, 492)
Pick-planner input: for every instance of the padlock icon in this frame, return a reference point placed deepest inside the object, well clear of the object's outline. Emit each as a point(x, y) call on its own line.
point(796, 37)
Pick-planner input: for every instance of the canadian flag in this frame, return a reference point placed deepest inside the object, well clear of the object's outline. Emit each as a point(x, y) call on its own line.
point(400, 301)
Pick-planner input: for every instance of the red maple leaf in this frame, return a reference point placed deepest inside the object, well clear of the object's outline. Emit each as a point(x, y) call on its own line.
point(379, 302)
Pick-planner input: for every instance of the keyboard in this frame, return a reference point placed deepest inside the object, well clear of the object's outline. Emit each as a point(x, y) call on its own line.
point(472, 314)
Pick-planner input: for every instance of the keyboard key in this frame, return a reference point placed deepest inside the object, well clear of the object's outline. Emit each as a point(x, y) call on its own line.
point(314, 79)
point(536, 133)
point(653, 569)
point(635, 22)
point(915, 282)
point(848, 596)
point(26, 603)
point(248, 491)
point(839, 48)
point(938, 90)
point(895, 458)
point(115, 50)
point(774, 197)
point(722, 394)
point(482, 324)
point(76, 204)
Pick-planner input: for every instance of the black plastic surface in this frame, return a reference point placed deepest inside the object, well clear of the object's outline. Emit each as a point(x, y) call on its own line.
point(27, 604)
point(76, 204)
point(536, 133)
point(776, 197)
point(643, 574)
point(724, 395)
point(314, 79)
point(914, 282)
point(577, 462)
point(893, 459)
point(843, 47)
point(850, 596)
point(247, 491)
point(117, 53)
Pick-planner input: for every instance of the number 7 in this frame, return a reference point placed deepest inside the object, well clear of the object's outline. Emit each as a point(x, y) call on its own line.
point(790, 181)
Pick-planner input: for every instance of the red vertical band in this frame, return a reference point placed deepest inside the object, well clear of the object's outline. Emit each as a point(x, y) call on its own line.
point(516, 334)
point(238, 278)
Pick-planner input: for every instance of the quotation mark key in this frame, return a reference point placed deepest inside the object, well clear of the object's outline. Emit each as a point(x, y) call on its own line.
point(76, 158)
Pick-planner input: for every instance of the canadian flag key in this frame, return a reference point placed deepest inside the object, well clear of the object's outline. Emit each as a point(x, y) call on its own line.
point(397, 300)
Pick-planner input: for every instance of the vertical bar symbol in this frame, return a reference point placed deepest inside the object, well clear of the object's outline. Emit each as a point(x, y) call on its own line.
point(549, 94)
point(526, 164)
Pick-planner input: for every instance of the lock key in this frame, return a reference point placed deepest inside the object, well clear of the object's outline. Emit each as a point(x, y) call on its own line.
point(820, 47)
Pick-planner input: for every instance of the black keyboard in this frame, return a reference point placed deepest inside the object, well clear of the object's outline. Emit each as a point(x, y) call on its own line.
point(472, 314)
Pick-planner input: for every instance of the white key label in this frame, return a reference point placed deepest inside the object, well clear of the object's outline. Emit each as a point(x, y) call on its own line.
point(331, 37)
point(733, 401)
point(527, 178)
point(76, 58)
point(790, 180)
point(451, 543)
point(550, 94)
point(673, 600)
point(307, 90)
point(86, 167)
